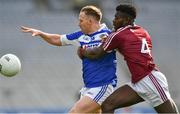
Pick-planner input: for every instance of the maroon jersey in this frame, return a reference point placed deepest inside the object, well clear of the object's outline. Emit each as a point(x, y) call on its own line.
point(134, 43)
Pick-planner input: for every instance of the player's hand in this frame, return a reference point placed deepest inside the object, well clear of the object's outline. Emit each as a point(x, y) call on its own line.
point(34, 32)
point(79, 53)
point(103, 38)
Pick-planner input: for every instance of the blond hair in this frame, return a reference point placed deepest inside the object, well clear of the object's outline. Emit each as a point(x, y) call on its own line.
point(92, 11)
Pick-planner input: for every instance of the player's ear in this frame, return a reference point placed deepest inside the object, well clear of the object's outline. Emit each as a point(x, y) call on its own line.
point(125, 20)
point(90, 20)
point(128, 20)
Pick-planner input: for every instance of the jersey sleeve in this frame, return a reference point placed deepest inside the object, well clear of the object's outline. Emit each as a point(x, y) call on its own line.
point(110, 43)
point(71, 39)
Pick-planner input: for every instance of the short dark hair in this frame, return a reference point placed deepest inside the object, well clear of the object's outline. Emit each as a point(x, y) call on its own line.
point(92, 11)
point(129, 10)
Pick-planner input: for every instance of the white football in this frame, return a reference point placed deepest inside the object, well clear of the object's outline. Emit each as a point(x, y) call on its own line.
point(10, 65)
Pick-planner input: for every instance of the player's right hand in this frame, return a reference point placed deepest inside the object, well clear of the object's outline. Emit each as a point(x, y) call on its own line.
point(79, 52)
point(34, 32)
point(103, 38)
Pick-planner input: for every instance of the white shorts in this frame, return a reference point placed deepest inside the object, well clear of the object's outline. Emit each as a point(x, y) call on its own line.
point(98, 94)
point(153, 88)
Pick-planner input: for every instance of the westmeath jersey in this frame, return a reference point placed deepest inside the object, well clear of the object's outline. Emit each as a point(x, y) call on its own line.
point(134, 43)
point(96, 72)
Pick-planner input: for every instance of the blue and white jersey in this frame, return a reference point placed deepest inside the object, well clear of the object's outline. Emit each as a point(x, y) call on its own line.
point(96, 72)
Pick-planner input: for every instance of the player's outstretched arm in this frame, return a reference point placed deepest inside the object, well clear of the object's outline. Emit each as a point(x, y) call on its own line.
point(53, 39)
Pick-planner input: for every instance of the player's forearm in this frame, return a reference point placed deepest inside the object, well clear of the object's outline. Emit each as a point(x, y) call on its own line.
point(94, 53)
point(53, 39)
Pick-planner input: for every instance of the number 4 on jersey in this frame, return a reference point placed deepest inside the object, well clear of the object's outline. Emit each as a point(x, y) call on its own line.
point(144, 47)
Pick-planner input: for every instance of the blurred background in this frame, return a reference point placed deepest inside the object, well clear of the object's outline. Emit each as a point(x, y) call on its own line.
point(50, 79)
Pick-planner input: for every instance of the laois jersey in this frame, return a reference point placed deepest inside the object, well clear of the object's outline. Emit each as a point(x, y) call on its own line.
point(134, 43)
point(96, 72)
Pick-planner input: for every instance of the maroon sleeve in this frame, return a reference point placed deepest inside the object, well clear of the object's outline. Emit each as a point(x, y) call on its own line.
point(111, 42)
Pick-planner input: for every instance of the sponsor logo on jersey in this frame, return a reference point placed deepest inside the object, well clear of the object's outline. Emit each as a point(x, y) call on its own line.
point(90, 93)
point(92, 45)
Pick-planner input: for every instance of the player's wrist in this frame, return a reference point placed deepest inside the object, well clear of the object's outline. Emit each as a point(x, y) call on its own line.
point(81, 50)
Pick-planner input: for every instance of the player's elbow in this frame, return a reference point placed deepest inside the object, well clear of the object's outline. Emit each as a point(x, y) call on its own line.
point(55, 41)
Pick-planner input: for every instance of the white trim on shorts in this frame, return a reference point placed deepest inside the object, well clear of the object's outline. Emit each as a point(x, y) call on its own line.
point(97, 94)
point(152, 88)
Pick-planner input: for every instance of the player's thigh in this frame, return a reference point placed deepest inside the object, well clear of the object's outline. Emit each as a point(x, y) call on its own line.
point(85, 105)
point(167, 107)
point(122, 97)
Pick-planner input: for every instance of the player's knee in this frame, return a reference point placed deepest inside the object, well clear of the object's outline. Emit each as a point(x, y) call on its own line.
point(75, 109)
point(107, 107)
point(78, 108)
point(72, 111)
point(167, 107)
